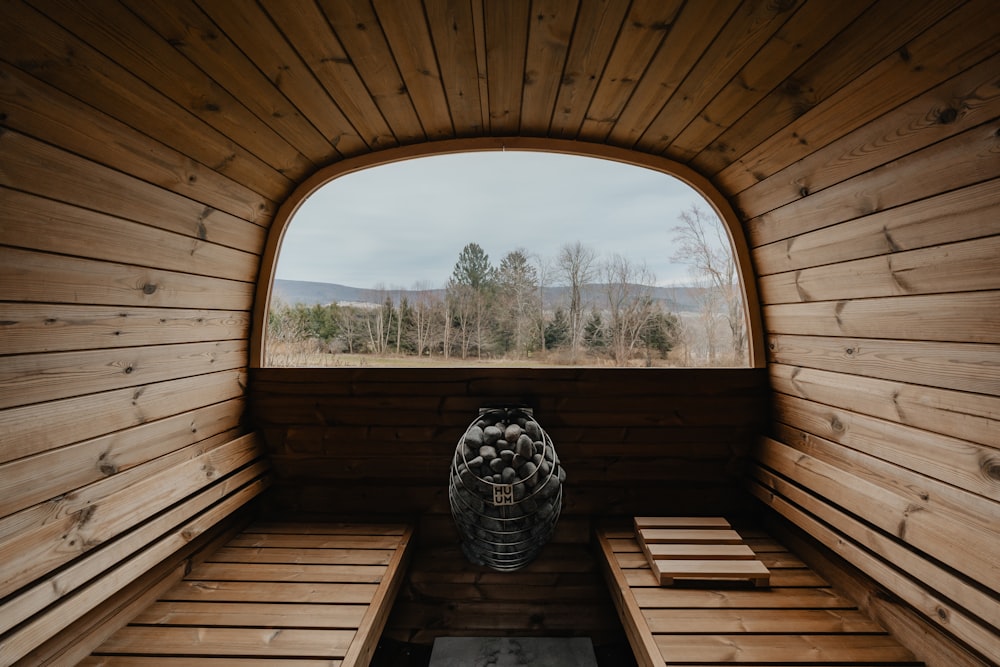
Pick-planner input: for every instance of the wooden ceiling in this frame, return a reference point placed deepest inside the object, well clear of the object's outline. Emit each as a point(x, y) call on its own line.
point(266, 92)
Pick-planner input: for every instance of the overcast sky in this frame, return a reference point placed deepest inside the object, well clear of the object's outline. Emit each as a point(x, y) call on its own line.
point(404, 224)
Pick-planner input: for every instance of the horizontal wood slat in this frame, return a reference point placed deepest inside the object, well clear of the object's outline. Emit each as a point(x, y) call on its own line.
point(43, 278)
point(46, 377)
point(273, 617)
point(807, 624)
point(37, 428)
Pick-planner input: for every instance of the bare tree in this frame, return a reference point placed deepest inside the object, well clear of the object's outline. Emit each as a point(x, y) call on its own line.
point(703, 244)
point(629, 292)
point(576, 266)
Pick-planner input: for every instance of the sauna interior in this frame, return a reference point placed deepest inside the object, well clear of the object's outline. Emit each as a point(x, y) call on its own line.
point(162, 493)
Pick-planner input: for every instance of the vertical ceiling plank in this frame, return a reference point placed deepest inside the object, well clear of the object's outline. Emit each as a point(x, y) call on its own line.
point(643, 32)
point(693, 31)
point(747, 30)
point(215, 58)
point(598, 23)
point(882, 30)
point(248, 26)
point(548, 43)
point(453, 33)
point(355, 24)
point(506, 23)
point(409, 39)
point(319, 48)
point(811, 28)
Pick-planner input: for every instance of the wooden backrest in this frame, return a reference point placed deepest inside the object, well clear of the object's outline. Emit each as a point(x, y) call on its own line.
point(68, 549)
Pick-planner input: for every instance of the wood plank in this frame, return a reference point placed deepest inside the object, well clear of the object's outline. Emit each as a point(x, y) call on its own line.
point(594, 35)
point(128, 42)
point(956, 162)
point(956, 267)
point(252, 30)
point(369, 632)
point(451, 26)
point(39, 549)
point(326, 59)
point(314, 557)
point(972, 317)
point(978, 512)
point(646, 652)
point(734, 621)
point(100, 588)
point(295, 573)
point(215, 54)
point(772, 598)
point(327, 528)
point(913, 563)
point(34, 108)
point(41, 427)
point(86, 184)
point(408, 36)
point(876, 35)
point(29, 328)
point(249, 538)
point(972, 417)
point(961, 102)
point(647, 24)
point(549, 38)
point(257, 614)
point(44, 278)
point(682, 536)
point(45, 377)
point(38, 223)
point(692, 32)
point(811, 27)
point(367, 50)
point(700, 552)
point(202, 661)
point(957, 366)
point(912, 226)
point(936, 532)
point(268, 591)
point(506, 31)
point(43, 476)
point(113, 90)
point(668, 571)
point(641, 522)
point(747, 30)
point(815, 649)
point(963, 464)
point(960, 624)
point(166, 533)
point(265, 642)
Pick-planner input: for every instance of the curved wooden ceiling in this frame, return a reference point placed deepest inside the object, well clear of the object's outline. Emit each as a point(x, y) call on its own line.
point(266, 92)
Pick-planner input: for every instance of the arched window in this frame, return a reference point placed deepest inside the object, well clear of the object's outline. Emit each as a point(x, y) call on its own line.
point(513, 257)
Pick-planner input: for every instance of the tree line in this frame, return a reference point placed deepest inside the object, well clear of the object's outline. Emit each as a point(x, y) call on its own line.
point(488, 311)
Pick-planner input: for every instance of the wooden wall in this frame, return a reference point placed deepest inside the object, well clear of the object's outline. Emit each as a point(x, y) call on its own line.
point(127, 273)
point(145, 146)
point(875, 232)
point(371, 442)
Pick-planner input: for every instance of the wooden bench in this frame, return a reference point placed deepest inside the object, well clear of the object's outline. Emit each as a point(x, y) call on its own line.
point(799, 619)
point(276, 594)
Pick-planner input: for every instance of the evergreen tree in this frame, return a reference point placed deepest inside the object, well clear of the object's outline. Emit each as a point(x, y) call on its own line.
point(557, 331)
point(593, 332)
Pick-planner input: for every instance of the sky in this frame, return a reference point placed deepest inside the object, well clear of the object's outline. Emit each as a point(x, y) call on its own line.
point(403, 225)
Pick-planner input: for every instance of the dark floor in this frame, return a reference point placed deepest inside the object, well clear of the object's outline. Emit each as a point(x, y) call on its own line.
point(398, 654)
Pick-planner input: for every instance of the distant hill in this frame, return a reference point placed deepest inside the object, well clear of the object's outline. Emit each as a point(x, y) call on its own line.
point(674, 299)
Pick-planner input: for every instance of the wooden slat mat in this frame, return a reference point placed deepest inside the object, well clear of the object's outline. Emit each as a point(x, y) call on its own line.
point(697, 549)
point(799, 620)
point(276, 594)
